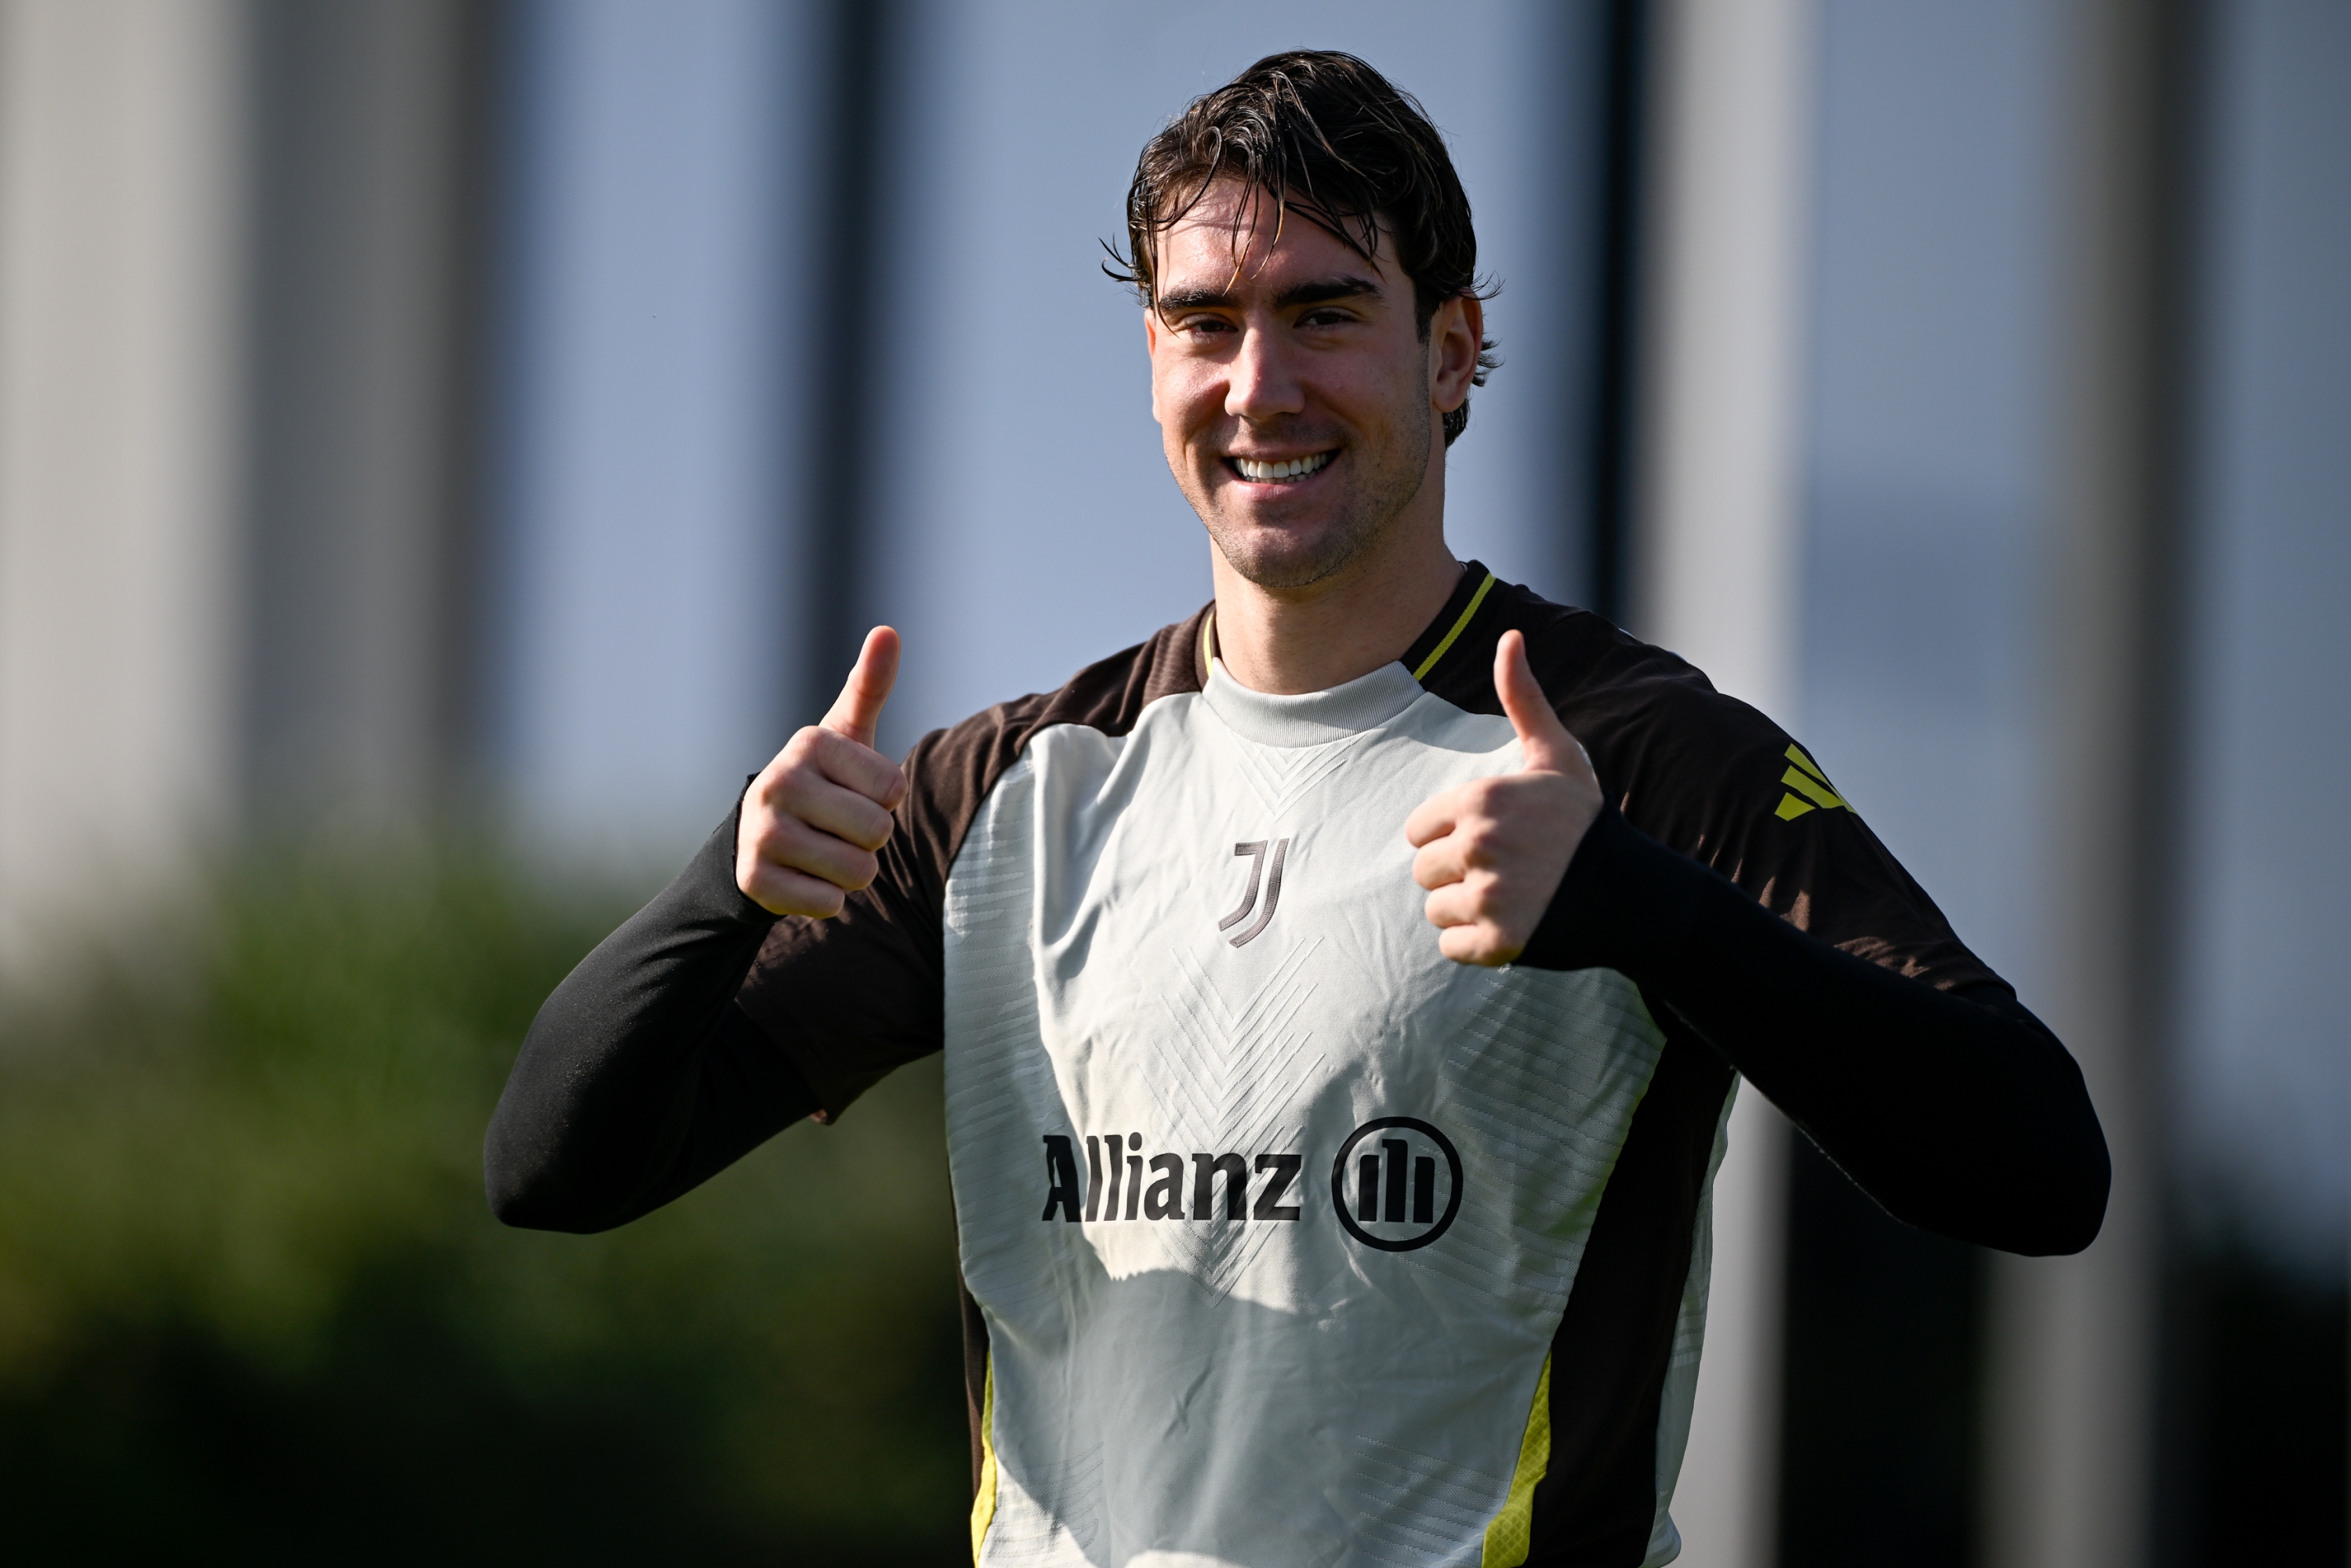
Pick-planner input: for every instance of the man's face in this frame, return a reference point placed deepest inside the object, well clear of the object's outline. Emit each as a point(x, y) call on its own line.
point(1297, 399)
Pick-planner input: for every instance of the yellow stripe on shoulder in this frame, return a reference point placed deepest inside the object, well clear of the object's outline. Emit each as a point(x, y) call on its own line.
point(1468, 612)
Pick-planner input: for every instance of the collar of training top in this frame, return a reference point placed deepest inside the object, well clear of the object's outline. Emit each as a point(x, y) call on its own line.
point(1312, 718)
point(1427, 650)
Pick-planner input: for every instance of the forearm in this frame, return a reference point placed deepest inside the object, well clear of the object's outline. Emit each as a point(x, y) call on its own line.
point(639, 1077)
point(1959, 1113)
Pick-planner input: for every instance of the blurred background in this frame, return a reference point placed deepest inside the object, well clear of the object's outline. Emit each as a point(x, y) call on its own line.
point(445, 445)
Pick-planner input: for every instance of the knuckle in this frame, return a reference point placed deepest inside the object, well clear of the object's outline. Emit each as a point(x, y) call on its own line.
point(864, 825)
point(779, 837)
point(788, 788)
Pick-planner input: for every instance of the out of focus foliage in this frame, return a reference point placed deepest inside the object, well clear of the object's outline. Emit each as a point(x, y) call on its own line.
point(251, 1300)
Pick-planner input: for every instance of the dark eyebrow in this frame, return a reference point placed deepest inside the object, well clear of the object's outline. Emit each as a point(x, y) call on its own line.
point(1195, 300)
point(1321, 291)
point(1324, 291)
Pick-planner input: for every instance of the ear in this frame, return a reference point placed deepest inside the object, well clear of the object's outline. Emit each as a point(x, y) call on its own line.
point(1454, 336)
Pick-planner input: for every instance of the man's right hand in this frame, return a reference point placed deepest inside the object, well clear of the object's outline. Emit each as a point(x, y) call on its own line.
point(814, 818)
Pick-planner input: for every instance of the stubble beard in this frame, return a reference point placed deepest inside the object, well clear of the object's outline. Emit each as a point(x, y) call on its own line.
point(1280, 560)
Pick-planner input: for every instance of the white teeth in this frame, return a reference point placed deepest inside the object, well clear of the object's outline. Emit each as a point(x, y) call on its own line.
point(1295, 468)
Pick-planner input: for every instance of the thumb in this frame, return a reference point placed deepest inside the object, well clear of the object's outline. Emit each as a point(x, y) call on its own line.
point(1548, 746)
point(857, 709)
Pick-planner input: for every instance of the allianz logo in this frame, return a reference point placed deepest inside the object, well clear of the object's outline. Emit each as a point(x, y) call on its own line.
point(1395, 1183)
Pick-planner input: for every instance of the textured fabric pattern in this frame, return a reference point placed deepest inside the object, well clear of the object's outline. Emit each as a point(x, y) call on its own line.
point(1313, 1383)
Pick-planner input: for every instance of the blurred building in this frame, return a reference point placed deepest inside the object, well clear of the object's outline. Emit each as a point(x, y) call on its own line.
point(425, 412)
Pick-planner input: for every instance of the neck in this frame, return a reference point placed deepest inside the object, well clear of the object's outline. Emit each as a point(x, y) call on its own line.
point(1364, 615)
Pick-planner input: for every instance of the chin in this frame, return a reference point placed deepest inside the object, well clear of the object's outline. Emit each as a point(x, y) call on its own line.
point(1287, 560)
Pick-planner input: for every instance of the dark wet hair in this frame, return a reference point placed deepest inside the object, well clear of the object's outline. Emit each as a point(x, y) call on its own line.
point(1333, 141)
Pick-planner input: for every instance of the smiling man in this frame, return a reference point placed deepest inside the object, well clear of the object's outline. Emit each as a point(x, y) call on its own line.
point(1344, 990)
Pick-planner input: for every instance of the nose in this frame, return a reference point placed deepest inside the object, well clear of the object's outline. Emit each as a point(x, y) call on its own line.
point(1264, 382)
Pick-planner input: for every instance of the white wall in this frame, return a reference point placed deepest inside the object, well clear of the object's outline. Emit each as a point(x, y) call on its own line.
point(119, 195)
point(1715, 578)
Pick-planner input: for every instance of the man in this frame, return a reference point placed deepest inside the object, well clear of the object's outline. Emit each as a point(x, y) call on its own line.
point(1294, 1231)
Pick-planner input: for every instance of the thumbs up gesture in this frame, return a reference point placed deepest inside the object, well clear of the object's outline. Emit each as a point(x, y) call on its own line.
point(815, 816)
point(1494, 851)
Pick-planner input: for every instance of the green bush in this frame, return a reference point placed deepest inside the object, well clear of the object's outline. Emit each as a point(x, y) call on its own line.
point(251, 1299)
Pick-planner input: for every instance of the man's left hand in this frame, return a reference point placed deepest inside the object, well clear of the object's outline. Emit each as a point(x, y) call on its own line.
point(1493, 851)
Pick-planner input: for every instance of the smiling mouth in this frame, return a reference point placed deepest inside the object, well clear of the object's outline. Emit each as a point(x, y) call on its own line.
point(1287, 472)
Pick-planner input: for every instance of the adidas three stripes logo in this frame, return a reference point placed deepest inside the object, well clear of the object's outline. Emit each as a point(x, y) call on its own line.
point(1808, 788)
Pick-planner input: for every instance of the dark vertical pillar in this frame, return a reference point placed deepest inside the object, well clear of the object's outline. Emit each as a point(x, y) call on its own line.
point(834, 344)
point(2252, 1368)
point(1877, 1421)
point(365, 152)
point(1616, 339)
point(484, 46)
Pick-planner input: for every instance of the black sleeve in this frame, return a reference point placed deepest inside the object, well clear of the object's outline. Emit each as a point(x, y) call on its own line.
point(641, 1077)
point(1956, 1111)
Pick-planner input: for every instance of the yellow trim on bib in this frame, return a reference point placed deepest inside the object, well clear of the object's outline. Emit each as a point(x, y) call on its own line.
point(1511, 1535)
point(1458, 627)
point(983, 1506)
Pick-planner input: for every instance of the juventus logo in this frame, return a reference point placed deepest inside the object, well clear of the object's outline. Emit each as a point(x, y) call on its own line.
point(1259, 872)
